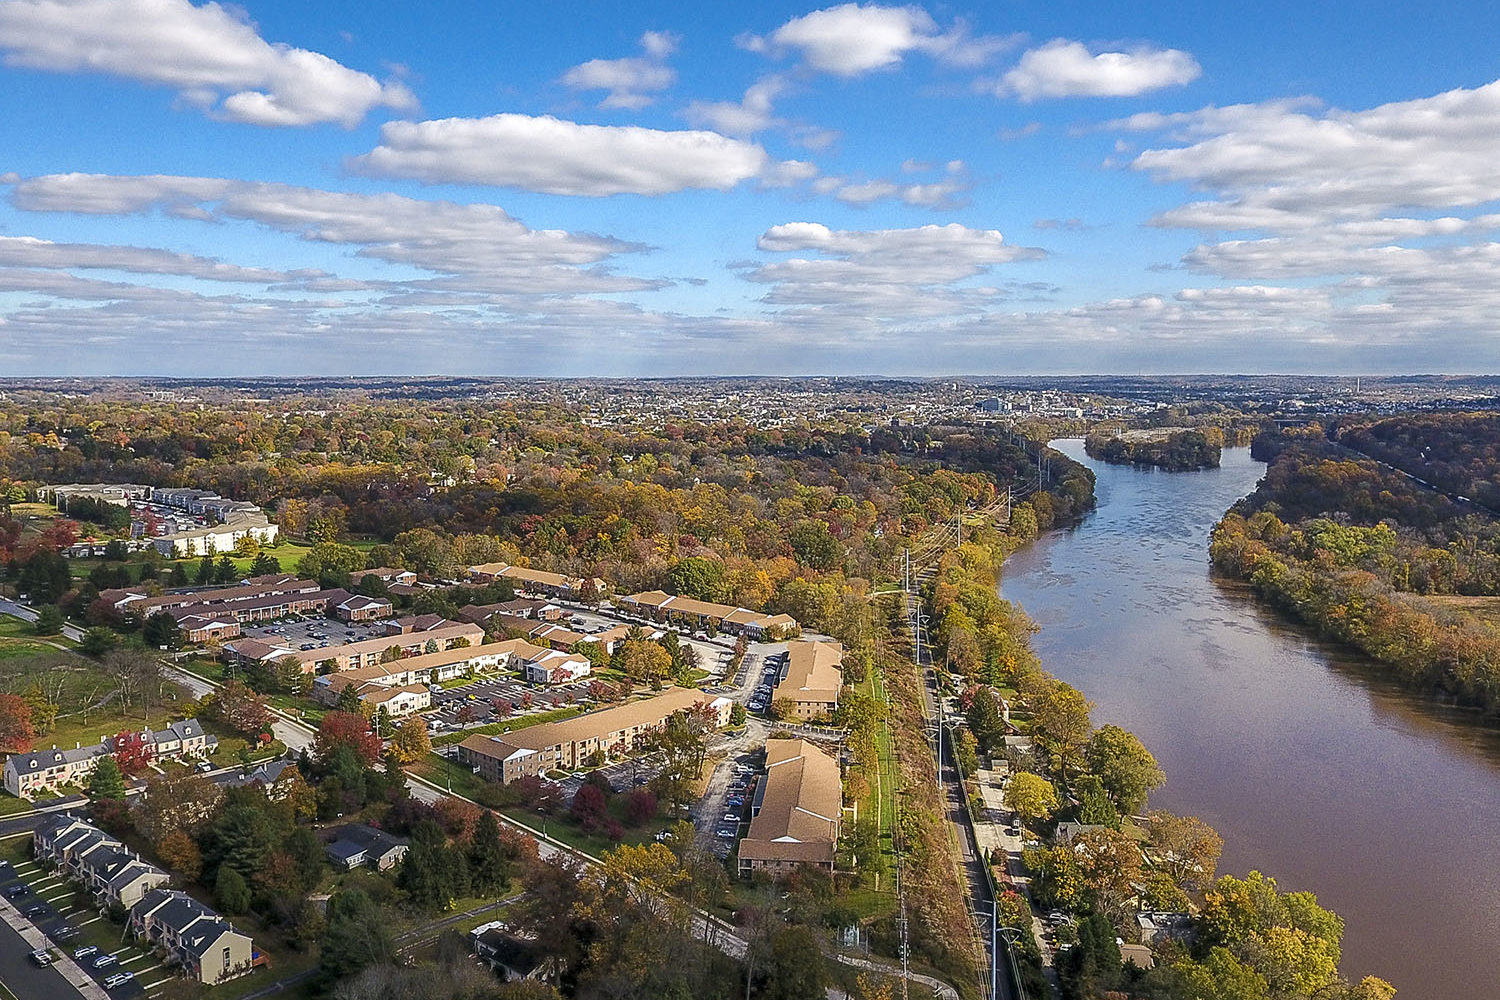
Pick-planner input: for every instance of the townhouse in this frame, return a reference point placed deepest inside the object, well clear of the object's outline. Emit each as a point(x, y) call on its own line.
point(795, 812)
point(139, 602)
point(695, 614)
point(387, 576)
point(192, 935)
point(267, 608)
point(813, 679)
point(427, 668)
point(27, 774)
point(105, 866)
point(566, 745)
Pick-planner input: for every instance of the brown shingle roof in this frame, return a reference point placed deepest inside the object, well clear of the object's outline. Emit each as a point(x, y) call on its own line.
point(799, 810)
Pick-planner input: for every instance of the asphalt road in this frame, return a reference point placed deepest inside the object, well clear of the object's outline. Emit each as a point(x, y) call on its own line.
point(23, 980)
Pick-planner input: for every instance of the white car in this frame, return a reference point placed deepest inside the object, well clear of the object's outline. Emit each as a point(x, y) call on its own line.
point(118, 979)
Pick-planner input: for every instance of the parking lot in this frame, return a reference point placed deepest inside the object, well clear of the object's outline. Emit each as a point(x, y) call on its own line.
point(772, 668)
point(98, 946)
point(313, 632)
point(724, 809)
point(497, 699)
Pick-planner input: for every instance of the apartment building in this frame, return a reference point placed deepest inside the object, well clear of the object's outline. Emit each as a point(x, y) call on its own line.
point(366, 652)
point(192, 935)
point(796, 811)
point(568, 744)
point(535, 581)
point(106, 867)
point(813, 679)
point(696, 614)
point(27, 774)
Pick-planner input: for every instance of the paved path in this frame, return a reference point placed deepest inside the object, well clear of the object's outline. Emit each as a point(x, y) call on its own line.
point(27, 614)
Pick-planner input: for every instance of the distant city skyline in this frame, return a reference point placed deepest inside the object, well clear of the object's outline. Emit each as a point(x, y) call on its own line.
point(281, 189)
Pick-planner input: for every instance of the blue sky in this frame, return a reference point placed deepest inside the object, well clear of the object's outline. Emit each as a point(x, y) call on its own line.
point(603, 189)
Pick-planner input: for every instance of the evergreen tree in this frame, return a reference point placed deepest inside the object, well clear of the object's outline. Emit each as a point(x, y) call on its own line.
point(357, 936)
point(178, 577)
point(205, 570)
point(226, 572)
point(489, 860)
point(49, 620)
point(107, 782)
point(231, 891)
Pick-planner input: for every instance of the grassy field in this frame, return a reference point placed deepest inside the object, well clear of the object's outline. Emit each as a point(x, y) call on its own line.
point(18, 639)
point(1484, 609)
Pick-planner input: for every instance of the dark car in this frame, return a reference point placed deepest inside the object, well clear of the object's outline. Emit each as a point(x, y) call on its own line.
point(15, 891)
point(35, 910)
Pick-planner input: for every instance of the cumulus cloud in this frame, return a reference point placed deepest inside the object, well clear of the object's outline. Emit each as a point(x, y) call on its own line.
point(744, 118)
point(554, 156)
point(212, 56)
point(853, 39)
point(1290, 165)
point(861, 278)
point(630, 82)
point(1064, 68)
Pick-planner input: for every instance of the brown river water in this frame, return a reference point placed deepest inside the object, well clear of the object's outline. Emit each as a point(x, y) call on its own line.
point(1313, 767)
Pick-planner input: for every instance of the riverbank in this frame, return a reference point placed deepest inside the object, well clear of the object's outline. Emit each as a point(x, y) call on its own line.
point(1307, 759)
point(1081, 790)
point(1184, 450)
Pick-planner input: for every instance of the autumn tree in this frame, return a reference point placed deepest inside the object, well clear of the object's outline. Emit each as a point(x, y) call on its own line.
point(646, 661)
point(1185, 848)
point(1060, 726)
point(180, 854)
point(16, 732)
point(1030, 796)
point(347, 729)
point(240, 708)
point(176, 801)
point(410, 741)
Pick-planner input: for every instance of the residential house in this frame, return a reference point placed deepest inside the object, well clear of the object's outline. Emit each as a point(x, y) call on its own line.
point(192, 935)
point(795, 812)
point(510, 955)
point(398, 701)
point(356, 844)
point(813, 679)
point(566, 745)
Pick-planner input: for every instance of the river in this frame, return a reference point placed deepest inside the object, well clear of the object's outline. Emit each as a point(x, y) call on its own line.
point(1312, 767)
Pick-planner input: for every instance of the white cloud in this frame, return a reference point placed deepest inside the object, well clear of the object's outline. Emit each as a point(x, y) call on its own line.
point(474, 246)
point(1290, 166)
point(850, 40)
point(211, 55)
point(1063, 68)
point(27, 251)
point(945, 193)
point(631, 81)
point(554, 156)
point(742, 119)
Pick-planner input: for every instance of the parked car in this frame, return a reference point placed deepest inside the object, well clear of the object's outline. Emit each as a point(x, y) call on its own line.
point(731, 817)
point(35, 910)
point(85, 951)
point(42, 957)
point(726, 832)
point(204, 766)
point(105, 961)
point(15, 891)
point(118, 979)
point(65, 932)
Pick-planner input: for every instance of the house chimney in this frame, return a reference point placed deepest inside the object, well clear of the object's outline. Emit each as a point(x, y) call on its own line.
point(77, 745)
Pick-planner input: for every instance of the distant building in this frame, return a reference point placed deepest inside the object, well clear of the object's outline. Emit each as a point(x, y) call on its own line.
point(814, 678)
point(193, 936)
point(356, 845)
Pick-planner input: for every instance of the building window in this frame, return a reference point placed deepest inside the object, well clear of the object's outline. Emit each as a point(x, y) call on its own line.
point(226, 960)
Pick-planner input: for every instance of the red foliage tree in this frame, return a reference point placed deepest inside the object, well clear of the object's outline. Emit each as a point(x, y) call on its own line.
point(588, 806)
point(640, 806)
point(132, 752)
point(347, 729)
point(16, 731)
